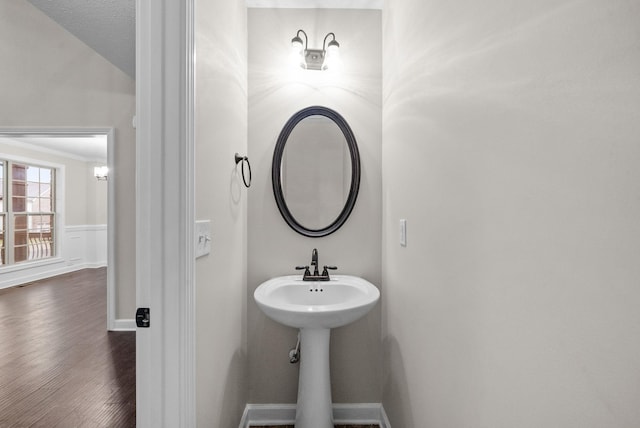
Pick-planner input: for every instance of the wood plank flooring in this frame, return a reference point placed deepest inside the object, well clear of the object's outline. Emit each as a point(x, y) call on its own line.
point(59, 367)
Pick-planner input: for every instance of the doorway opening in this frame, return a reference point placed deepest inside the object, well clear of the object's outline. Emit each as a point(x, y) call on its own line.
point(77, 230)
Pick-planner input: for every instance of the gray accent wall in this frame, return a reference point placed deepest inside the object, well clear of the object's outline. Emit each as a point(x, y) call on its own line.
point(277, 91)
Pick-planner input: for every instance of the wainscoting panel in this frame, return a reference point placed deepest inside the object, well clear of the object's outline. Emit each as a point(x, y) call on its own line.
point(81, 247)
point(85, 245)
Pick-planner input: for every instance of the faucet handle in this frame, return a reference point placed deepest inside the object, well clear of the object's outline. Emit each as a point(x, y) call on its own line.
point(325, 272)
point(306, 270)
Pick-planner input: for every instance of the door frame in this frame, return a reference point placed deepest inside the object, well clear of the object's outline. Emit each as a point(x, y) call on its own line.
point(108, 132)
point(165, 213)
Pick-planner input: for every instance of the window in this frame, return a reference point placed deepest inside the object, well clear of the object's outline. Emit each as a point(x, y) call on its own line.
point(27, 212)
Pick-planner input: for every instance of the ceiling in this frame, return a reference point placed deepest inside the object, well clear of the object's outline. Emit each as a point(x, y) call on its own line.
point(106, 26)
point(84, 148)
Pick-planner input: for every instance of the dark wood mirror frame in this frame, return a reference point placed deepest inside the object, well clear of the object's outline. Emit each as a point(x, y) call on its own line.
point(276, 171)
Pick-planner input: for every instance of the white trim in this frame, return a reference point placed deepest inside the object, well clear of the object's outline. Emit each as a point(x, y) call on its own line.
point(111, 230)
point(59, 203)
point(165, 263)
point(148, 385)
point(268, 414)
point(316, 4)
point(384, 420)
point(149, 382)
point(87, 245)
point(86, 228)
point(55, 268)
point(123, 324)
point(29, 265)
point(93, 265)
point(343, 414)
point(188, 342)
point(54, 131)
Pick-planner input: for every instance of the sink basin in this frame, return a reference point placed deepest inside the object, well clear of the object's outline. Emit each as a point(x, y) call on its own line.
point(316, 304)
point(315, 307)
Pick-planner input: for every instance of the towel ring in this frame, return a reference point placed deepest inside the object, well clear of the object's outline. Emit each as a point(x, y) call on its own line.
point(244, 160)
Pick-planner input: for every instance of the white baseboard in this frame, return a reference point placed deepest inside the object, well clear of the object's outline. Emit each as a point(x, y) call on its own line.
point(95, 265)
point(285, 414)
point(37, 272)
point(122, 324)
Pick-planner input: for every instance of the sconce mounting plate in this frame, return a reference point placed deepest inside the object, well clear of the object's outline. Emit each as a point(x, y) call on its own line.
point(314, 59)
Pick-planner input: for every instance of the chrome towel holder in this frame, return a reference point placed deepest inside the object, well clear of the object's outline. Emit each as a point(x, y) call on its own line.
point(243, 160)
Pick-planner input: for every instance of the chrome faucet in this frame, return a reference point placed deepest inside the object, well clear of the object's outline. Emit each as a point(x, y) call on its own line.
point(316, 276)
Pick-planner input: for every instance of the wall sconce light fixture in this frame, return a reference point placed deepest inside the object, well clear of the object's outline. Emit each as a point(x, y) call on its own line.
point(315, 59)
point(101, 172)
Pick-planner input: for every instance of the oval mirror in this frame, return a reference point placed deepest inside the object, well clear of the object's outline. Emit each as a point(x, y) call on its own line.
point(316, 171)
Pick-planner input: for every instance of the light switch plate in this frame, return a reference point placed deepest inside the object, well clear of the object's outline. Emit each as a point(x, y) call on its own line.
point(203, 238)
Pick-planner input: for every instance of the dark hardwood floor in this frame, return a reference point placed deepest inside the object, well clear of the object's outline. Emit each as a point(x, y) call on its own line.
point(59, 367)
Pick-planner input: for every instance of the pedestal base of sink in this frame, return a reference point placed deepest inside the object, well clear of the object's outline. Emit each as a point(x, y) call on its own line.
point(314, 409)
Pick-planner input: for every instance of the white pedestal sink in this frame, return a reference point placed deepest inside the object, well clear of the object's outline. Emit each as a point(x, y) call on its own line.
point(315, 307)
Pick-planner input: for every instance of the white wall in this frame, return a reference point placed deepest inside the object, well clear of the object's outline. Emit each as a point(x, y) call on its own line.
point(221, 131)
point(276, 92)
point(50, 78)
point(510, 145)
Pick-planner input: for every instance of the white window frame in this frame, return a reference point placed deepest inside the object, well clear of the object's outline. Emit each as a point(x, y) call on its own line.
point(59, 205)
point(11, 213)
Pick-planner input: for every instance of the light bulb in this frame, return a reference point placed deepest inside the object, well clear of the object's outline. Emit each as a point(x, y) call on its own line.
point(296, 44)
point(296, 58)
point(332, 56)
